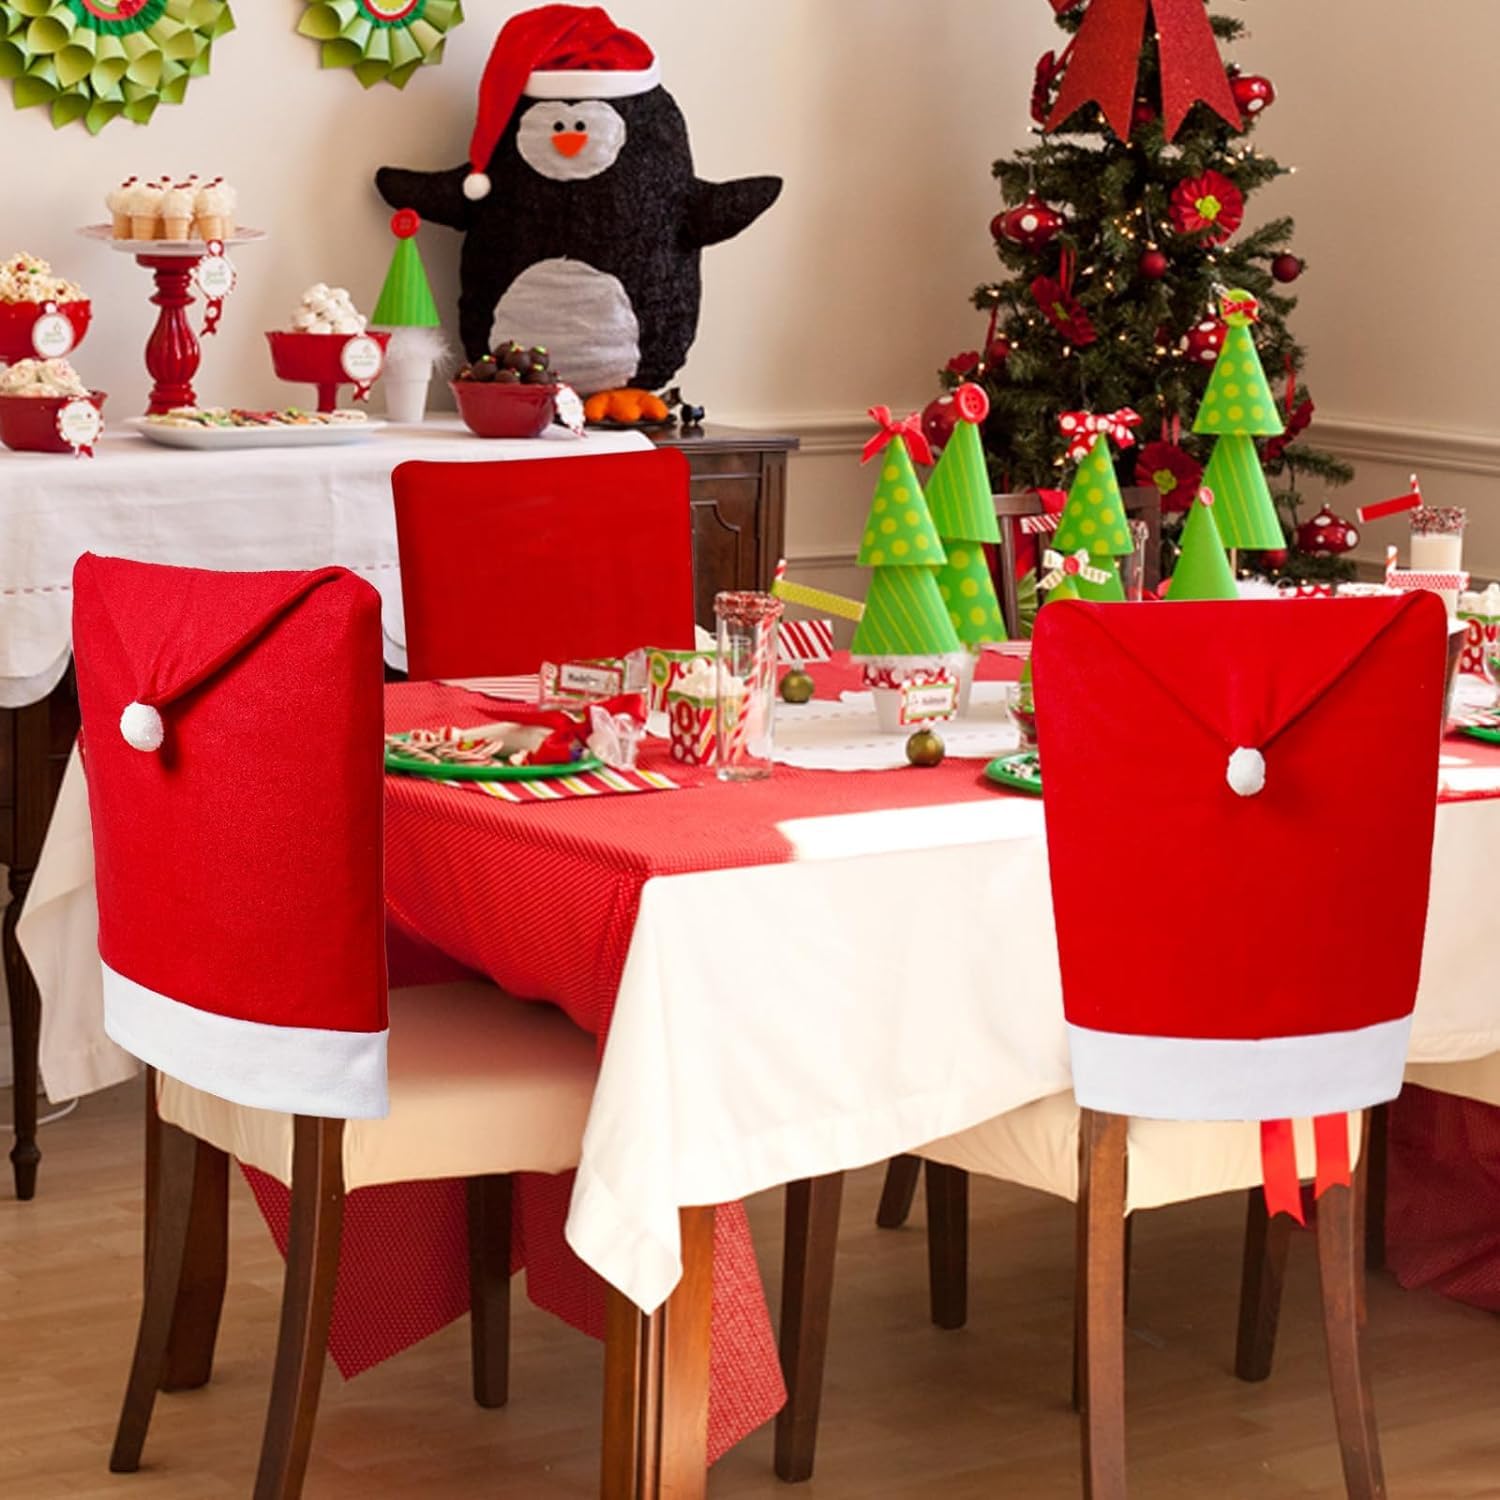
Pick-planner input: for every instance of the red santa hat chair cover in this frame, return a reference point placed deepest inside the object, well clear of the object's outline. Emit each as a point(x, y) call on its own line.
point(507, 565)
point(232, 744)
point(554, 52)
point(1239, 756)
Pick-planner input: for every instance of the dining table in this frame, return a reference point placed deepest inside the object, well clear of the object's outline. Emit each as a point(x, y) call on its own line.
point(787, 979)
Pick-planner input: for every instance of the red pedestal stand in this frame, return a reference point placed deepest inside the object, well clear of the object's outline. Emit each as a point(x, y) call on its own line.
point(172, 352)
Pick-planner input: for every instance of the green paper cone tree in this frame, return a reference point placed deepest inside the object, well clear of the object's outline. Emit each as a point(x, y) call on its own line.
point(904, 611)
point(1203, 570)
point(1093, 520)
point(406, 299)
point(1237, 408)
point(962, 507)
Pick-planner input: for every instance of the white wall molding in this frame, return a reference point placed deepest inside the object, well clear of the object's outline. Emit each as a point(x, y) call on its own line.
point(1398, 443)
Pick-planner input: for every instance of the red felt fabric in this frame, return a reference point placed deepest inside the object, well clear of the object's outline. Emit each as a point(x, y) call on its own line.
point(261, 813)
point(1138, 711)
point(507, 565)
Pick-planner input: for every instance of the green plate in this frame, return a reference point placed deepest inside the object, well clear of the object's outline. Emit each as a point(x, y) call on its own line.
point(402, 765)
point(1021, 771)
point(1482, 732)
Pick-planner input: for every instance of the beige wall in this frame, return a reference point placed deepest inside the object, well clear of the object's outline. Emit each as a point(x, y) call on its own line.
point(884, 117)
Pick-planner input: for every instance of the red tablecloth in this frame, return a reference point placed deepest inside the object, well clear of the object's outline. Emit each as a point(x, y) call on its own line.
point(542, 898)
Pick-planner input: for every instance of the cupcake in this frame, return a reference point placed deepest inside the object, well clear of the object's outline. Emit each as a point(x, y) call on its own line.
point(214, 210)
point(116, 200)
point(177, 211)
point(143, 204)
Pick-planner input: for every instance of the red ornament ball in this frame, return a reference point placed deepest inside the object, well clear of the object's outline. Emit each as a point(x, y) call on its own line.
point(1286, 268)
point(1326, 535)
point(1275, 558)
point(1202, 343)
point(1142, 112)
point(939, 418)
point(1032, 225)
point(1154, 265)
point(1253, 94)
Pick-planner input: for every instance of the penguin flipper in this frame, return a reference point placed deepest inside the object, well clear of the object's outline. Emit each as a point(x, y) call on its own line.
point(437, 196)
point(717, 211)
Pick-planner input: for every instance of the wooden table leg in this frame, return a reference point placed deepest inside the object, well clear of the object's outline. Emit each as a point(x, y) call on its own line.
point(25, 1028)
point(656, 1382)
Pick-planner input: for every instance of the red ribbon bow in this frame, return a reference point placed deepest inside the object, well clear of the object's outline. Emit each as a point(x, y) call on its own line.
point(1247, 307)
point(1106, 61)
point(909, 428)
point(1082, 428)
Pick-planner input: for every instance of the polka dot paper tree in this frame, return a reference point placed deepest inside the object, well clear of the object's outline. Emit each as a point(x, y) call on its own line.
point(904, 611)
point(962, 506)
point(1238, 408)
point(1093, 520)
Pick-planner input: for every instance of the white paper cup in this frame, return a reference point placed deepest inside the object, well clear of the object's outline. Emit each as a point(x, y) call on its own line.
point(405, 397)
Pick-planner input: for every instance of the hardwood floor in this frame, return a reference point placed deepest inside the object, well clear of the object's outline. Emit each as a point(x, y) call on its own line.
point(910, 1412)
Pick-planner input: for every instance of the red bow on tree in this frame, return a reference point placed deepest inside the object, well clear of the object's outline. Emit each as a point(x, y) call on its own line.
point(1081, 428)
point(1105, 62)
point(890, 429)
point(1298, 419)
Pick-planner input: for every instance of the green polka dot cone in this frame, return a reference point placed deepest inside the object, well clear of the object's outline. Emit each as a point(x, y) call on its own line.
point(93, 61)
point(968, 593)
point(904, 611)
point(1202, 571)
point(1238, 399)
point(381, 41)
point(1094, 517)
point(1243, 508)
point(959, 495)
point(1111, 591)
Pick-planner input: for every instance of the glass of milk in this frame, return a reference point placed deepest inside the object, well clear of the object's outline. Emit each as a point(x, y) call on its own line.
point(1437, 545)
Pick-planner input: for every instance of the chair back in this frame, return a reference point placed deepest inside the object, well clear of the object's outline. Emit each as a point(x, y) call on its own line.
point(507, 565)
point(1268, 770)
point(232, 746)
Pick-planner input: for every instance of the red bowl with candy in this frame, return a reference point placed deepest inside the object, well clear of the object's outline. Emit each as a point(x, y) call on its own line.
point(318, 359)
point(494, 410)
point(28, 424)
point(18, 319)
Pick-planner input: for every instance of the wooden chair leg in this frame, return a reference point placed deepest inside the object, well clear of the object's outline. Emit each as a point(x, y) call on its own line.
point(489, 1288)
point(1262, 1277)
point(312, 1265)
point(812, 1231)
point(656, 1382)
point(948, 1244)
point(1342, 1272)
point(175, 1174)
point(1101, 1301)
point(901, 1177)
point(205, 1272)
point(1377, 1149)
point(1079, 1399)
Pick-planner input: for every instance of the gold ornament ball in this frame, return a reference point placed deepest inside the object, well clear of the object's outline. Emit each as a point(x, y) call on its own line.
point(797, 686)
point(925, 748)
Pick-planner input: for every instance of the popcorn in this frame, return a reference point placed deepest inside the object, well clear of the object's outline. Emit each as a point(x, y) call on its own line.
point(41, 377)
point(27, 278)
point(326, 309)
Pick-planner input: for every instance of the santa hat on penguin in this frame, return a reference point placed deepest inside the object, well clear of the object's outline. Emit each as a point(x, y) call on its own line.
point(554, 52)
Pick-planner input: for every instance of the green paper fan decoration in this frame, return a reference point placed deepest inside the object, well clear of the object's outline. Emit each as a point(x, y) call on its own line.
point(383, 41)
point(101, 60)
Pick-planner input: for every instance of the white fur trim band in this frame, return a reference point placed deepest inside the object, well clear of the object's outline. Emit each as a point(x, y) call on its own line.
point(1210, 1078)
point(590, 83)
point(297, 1070)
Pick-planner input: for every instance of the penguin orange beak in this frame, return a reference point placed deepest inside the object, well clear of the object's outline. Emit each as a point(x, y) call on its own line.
point(570, 142)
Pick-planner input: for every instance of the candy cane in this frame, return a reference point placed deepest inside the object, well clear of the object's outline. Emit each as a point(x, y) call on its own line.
point(1410, 501)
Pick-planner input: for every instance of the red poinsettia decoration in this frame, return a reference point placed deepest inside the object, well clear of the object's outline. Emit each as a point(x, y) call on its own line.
point(1210, 205)
point(1063, 310)
point(1172, 470)
point(963, 365)
point(1048, 70)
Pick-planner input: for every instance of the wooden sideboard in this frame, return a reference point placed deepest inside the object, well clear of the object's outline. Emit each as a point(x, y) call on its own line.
point(739, 522)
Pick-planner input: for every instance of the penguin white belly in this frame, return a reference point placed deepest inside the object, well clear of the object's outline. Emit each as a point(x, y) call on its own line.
point(584, 318)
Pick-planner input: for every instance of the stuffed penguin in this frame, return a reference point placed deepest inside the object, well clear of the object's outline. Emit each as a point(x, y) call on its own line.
point(584, 223)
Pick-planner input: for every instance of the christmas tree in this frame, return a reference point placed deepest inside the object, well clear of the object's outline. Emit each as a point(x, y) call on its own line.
point(1202, 572)
point(1093, 520)
point(1126, 222)
point(962, 506)
point(904, 612)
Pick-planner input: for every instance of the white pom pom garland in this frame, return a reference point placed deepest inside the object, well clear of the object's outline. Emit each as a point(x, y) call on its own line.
point(142, 727)
point(476, 186)
point(1247, 772)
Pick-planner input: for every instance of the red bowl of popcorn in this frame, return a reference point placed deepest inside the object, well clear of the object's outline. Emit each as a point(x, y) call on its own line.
point(28, 424)
point(329, 360)
point(18, 322)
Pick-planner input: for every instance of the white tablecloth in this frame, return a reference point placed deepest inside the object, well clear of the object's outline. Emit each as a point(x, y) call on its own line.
point(771, 1026)
point(243, 509)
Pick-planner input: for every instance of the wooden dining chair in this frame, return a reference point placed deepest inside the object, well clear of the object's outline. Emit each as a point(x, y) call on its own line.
point(232, 731)
point(507, 565)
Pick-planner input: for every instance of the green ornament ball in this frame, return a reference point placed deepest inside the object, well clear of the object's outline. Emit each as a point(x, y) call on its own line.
point(925, 748)
point(797, 686)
